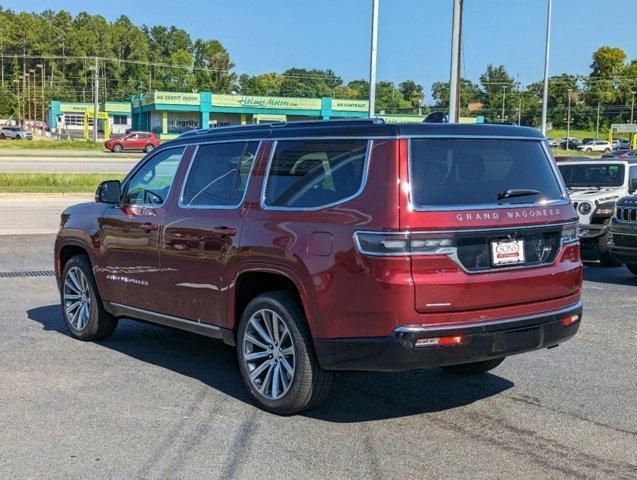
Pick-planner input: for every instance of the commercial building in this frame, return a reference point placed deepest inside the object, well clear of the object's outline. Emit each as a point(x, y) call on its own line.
point(70, 117)
point(171, 113)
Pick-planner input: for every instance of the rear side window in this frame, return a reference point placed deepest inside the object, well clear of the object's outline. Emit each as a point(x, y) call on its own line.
point(315, 173)
point(459, 172)
point(219, 173)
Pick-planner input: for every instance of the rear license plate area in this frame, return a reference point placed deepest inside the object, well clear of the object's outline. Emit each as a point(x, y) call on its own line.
point(507, 252)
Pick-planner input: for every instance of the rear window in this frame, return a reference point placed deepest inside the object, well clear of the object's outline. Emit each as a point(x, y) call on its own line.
point(593, 175)
point(459, 172)
point(315, 173)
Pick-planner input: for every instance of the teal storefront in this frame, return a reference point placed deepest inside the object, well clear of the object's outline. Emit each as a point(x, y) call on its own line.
point(171, 113)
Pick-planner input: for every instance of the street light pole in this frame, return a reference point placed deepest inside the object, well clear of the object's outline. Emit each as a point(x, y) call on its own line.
point(547, 52)
point(632, 108)
point(96, 103)
point(597, 122)
point(504, 96)
point(454, 81)
point(372, 60)
point(568, 122)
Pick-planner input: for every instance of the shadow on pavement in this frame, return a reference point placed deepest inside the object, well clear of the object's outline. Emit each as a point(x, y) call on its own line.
point(614, 275)
point(355, 397)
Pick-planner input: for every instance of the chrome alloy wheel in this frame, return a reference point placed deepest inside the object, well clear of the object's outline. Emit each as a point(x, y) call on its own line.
point(77, 298)
point(268, 354)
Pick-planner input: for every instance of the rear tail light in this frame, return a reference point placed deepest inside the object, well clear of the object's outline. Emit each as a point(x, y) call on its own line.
point(570, 233)
point(403, 243)
point(440, 341)
point(570, 320)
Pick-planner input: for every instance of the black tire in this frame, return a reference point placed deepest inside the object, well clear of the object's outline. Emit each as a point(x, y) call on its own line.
point(18, 137)
point(100, 323)
point(3, 136)
point(474, 368)
point(117, 148)
point(310, 384)
point(632, 267)
point(149, 148)
point(605, 258)
point(589, 150)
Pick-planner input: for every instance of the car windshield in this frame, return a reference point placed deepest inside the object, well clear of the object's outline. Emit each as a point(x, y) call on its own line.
point(593, 175)
point(459, 172)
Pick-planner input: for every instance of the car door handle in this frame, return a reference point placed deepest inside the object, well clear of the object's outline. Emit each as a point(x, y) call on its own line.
point(223, 230)
point(148, 227)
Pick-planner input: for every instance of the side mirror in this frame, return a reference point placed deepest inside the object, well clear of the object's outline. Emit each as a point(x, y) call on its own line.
point(632, 185)
point(108, 192)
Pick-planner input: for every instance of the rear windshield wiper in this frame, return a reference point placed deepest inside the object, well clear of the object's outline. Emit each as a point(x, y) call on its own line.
point(517, 192)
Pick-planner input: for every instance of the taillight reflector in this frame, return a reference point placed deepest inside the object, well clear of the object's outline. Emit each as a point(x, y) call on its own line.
point(440, 341)
point(570, 320)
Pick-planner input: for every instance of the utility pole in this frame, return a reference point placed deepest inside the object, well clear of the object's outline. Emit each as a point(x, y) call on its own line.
point(632, 108)
point(597, 122)
point(96, 103)
point(456, 45)
point(35, 97)
point(17, 84)
point(547, 52)
point(504, 97)
point(28, 97)
point(372, 60)
point(41, 66)
point(568, 122)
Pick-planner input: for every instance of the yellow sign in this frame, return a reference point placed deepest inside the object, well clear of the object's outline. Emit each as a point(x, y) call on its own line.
point(171, 98)
point(117, 107)
point(278, 103)
point(350, 105)
point(75, 107)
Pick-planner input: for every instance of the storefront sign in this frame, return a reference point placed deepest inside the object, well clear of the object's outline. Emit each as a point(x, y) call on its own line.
point(171, 98)
point(624, 127)
point(75, 107)
point(280, 103)
point(350, 105)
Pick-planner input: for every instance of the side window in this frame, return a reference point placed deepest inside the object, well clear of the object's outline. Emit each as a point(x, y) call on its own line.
point(315, 173)
point(219, 174)
point(632, 179)
point(151, 183)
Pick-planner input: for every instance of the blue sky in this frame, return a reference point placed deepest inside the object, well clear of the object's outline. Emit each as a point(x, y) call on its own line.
point(414, 35)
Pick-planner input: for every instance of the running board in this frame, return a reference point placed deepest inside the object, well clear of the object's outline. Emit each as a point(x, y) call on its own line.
point(134, 313)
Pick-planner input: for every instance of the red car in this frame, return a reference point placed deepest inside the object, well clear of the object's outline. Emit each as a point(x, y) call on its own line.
point(318, 247)
point(144, 141)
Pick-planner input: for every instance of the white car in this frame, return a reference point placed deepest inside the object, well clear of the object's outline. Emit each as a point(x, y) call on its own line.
point(597, 146)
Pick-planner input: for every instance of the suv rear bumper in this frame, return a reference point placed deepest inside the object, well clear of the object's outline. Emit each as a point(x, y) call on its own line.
point(481, 341)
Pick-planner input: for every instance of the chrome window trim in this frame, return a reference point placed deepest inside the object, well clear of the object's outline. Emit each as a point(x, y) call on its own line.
point(366, 160)
point(184, 206)
point(452, 252)
point(140, 165)
point(565, 200)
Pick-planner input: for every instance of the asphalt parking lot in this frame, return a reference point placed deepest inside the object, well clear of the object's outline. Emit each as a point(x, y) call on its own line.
point(151, 402)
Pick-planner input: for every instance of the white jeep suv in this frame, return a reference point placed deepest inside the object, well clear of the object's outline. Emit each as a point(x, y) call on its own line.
point(596, 146)
point(595, 186)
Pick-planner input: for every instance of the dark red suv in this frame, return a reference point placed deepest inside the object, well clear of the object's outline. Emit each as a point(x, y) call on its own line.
point(318, 247)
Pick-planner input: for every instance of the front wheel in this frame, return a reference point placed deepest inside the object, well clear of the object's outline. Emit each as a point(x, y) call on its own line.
point(632, 267)
point(18, 137)
point(605, 258)
point(276, 355)
point(82, 306)
point(117, 148)
point(589, 150)
point(474, 368)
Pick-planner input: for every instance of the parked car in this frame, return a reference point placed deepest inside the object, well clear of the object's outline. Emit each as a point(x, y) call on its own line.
point(573, 143)
point(621, 144)
point(594, 187)
point(318, 247)
point(622, 240)
point(144, 141)
point(588, 140)
point(596, 146)
point(15, 133)
point(623, 153)
point(552, 143)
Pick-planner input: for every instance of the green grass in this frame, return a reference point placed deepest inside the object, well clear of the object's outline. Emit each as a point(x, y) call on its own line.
point(579, 134)
point(53, 182)
point(52, 145)
point(558, 152)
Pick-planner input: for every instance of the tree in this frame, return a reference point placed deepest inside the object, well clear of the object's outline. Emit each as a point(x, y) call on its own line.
point(214, 59)
point(469, 93)
point(496, 83)
point(412, 92)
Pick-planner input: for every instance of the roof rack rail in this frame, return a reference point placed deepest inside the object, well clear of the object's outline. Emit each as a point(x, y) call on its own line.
point(267, 126)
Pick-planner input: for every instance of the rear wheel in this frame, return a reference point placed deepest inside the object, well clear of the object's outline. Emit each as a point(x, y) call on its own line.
point(589, 150)
point(117, 148)
point(474, 368)
point(82, 306)
point(632, 267)
point(18, 137)
point(149, 148)
point(3, 136)
point(276, 355)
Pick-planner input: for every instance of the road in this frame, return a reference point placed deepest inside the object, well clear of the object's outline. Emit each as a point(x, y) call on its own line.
point(154, 403)
point(39, 164)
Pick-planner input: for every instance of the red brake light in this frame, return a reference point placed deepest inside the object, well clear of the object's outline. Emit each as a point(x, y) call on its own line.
point(440, 341)
point(570, 320)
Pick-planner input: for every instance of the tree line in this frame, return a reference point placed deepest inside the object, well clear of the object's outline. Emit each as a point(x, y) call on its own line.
point(133, 59)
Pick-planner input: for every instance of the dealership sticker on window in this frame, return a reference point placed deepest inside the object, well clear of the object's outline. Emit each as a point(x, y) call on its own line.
point(507, 252)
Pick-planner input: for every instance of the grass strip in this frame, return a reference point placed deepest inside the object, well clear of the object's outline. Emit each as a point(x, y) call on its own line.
point(53, 182)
